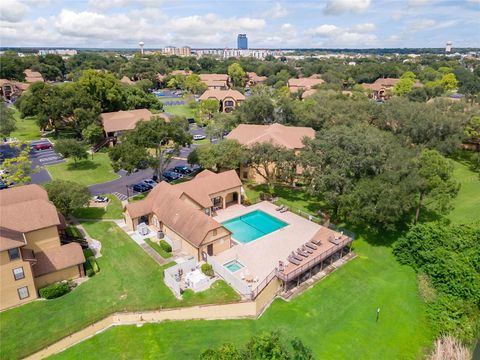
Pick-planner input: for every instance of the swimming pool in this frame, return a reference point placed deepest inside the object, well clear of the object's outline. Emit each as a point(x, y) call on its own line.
point(253, 225)
point(233, 266)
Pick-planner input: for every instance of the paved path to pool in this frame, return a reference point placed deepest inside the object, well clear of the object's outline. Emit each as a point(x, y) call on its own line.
point(240, 310)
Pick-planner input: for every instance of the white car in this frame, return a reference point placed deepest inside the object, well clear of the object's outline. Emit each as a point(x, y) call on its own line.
point(100, 199)
point(199, 137)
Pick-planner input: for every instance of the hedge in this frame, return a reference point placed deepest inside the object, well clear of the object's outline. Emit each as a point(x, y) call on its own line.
point(55, 290)
point(207, 269)
point(165, 246)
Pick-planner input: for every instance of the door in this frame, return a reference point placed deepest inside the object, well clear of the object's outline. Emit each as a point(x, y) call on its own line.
point(210, 249)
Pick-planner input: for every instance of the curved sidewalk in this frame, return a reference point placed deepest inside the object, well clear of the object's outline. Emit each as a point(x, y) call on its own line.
point(206, 312)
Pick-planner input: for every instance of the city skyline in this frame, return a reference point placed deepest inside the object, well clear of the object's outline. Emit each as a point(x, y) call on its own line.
point(213, 24)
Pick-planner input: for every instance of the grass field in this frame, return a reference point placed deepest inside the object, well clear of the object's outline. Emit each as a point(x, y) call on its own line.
point(27, 129)
point(113, 210)
point(85, 172)
point(467, 203)
point(128, 280)
point(182, 110)
point(336, 318)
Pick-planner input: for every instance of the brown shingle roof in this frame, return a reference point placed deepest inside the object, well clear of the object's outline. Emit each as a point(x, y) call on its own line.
point(58, 258)
point(214, 77)
point(221, 95)
point(32, 76)
point(181, 72)
point(24, 209)
point(288, 136)
point(386, 83)
point(303, 83)
point(127, 80)
point(126, 120)
point(252, 76)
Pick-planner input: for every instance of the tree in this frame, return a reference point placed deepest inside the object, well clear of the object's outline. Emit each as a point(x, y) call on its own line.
point(128, 156)
point(71, 148)
point(159, 136)
point(404, 86)
point(105, 88)
point(472, 130)
point(449, 82)
point(92, 134)
point(225, 155)
point(194, 85)
point(273, 163)
point(11, 66)
point(237, 74)
point(207, 109)
point(67, 195)
point(19, 168)
point(7, 120)
point(256, 109)
point(264, 346)
point(83, 118)
point(435, 180)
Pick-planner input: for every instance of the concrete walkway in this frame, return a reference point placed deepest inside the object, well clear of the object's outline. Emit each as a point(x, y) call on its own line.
point(207, 312)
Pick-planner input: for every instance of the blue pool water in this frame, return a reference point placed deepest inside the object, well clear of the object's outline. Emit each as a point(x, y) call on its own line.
point(253, 225)
point(233, 266)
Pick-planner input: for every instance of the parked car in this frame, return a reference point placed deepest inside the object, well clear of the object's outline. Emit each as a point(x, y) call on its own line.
point(43, 146)
point(144, 183)
point(3, 185)
point(100, 199)
point(182, 169)
point(150, 182)
point(199, 137)
point(170, 176)
point(141, 187)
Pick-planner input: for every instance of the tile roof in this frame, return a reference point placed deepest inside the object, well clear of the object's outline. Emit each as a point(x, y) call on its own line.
point(126, 119)
point(303, 83)
point(32, 76)
point(24, 209)
point(191, 223)
point(58, 258)
point(221, 95)
point(288, 136)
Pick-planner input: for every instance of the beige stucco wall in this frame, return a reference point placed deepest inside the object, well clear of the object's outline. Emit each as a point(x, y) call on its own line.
point(72, 272)
point(43, 239)
point(8, 284)
point(267, 294)
point(131, 223)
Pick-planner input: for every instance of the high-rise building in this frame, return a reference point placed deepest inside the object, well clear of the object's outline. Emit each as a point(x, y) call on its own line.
point(448, 47)
point(242, 41)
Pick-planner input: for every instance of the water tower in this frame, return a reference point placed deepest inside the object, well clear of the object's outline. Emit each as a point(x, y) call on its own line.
point(448, 47)
point(141, 44)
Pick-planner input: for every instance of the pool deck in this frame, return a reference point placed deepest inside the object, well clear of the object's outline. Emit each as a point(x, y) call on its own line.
point(260, 257)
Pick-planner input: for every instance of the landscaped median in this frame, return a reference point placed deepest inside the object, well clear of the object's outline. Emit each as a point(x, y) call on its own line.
point(129, 280)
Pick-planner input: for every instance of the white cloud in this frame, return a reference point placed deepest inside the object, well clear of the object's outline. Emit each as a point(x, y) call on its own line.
point(337, 7)
point(116, 4)
point(277, 12)
point(323, 30)
point(364, 28)
point(431, 24)
point(12, 10)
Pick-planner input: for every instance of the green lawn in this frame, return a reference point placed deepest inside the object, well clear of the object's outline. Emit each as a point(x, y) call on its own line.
point(129, 280)
point(27, 129)
point(182, 110)
point(85, 172)
point(467, 203)
point(113, 210)
point(336, 318)
point(158, 249)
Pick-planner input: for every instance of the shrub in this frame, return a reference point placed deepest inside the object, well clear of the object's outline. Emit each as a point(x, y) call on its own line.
point(165, 246)
point(207, 269)
point(55, 290)
point(89, 272)
point(93, 264)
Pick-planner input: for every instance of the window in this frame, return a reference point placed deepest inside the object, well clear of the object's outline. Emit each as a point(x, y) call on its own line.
point(18, 273)
point(214, 232)
point(229, 103)
point(23, 292)
point(245, 174)
point(13, 254)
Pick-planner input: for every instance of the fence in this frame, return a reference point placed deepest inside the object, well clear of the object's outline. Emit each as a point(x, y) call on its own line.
point(170, 273)
point(239, 285)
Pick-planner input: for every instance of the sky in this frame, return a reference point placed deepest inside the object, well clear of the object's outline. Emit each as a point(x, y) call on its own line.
point(215, 23)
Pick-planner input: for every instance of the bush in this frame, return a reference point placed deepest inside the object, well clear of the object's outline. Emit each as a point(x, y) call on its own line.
point(55, 290)
point(165, 246)
point(93, 264)
point(89, 272)
point(207, 269)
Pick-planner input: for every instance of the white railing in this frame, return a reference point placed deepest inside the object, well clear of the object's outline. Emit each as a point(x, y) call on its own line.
point(239, 285)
